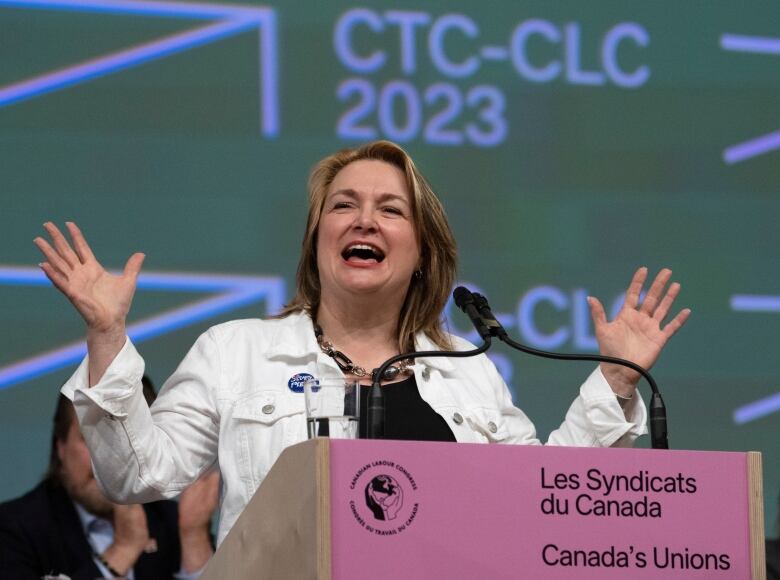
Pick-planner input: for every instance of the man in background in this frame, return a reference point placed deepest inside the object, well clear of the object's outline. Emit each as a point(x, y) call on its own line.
point(66, 528)
point(773, 554)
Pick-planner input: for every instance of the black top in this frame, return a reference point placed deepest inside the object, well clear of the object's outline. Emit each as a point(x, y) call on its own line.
point(407, 415)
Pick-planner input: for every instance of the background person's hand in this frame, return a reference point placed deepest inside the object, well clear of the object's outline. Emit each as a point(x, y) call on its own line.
point(131, 537)
point(638, 332)
point(197, 504)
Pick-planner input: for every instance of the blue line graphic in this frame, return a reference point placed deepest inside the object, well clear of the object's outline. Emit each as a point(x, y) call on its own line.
point(764, 143)
point(757, 409)
point(735, 154)
point(232, 292)
point(752, 148)
point(231, 20)
point(195, 10)
point(771, 404)
point(754, 44)
point(755, 303)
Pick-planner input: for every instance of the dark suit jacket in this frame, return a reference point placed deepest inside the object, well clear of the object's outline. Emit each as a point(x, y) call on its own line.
point(40, 533)
point(773, 559)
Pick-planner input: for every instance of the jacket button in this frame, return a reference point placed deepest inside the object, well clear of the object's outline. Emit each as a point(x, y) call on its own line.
point(457, 418)
point(268, 409)
point(492, 427)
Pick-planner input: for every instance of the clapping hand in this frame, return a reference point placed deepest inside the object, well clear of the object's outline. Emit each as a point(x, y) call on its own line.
point(131, 537)
point(638, 332)
point(196, 508)
point(199, 501)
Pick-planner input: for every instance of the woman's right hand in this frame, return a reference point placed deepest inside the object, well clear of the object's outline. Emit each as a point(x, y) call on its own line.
point(102, 299)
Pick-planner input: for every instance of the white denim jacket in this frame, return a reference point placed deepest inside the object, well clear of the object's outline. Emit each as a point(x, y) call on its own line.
point(231, 399)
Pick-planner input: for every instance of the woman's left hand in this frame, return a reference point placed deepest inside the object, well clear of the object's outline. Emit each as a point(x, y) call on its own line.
point(637, 333)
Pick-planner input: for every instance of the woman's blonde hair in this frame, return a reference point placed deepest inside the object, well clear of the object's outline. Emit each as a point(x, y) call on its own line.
point(430, 285)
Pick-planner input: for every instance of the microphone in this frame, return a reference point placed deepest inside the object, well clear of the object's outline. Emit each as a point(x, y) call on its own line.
point(375, 413)
point(465, 300)
point(490, 321)
point(658, 434)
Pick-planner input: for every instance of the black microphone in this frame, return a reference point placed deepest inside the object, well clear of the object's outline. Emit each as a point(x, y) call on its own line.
point(465, 300)
point(490, 321)
point(658, 434)
point(375, 413)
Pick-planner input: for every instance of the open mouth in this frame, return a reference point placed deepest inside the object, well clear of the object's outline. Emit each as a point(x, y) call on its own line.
point(362, 253)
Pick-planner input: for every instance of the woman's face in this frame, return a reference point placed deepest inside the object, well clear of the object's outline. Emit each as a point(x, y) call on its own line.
point(366, 243)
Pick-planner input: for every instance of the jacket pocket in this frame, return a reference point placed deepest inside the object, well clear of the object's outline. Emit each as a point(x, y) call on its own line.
point(265, 423)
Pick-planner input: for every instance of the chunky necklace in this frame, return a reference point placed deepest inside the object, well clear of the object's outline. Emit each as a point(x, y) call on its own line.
point(347, 366)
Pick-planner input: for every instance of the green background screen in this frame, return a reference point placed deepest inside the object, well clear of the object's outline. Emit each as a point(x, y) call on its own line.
point(570, 143)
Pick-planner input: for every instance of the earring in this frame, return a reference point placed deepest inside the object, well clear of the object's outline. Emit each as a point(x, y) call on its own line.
point(417, 275)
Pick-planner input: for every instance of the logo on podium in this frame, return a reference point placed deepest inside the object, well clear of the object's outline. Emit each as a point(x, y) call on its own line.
point(383, 498)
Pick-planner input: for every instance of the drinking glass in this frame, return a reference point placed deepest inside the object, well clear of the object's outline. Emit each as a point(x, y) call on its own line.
point(332, 408)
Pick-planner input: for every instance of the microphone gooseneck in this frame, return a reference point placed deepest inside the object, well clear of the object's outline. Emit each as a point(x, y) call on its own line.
point(658, 432)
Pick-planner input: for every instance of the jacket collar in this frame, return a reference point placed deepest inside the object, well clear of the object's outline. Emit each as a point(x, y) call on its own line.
point(295, 338)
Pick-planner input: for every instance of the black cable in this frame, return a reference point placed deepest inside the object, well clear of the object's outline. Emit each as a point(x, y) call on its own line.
point(657, 411)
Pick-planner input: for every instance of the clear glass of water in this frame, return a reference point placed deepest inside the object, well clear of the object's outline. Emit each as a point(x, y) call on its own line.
point(332, 408)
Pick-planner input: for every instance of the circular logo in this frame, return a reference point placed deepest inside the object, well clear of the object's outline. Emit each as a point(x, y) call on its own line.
point(295, 384)
point(383, 498)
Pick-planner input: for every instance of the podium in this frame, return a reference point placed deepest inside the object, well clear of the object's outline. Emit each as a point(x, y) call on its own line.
point(335, 509)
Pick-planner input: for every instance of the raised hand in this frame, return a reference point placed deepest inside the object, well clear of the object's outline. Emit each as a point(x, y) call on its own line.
point(638, 332)
point(102, 299)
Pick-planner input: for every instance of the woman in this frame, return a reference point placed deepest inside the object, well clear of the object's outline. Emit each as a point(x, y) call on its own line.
point(377, 266)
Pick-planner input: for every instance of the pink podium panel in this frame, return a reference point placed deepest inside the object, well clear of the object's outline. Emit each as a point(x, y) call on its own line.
point(440, 510)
